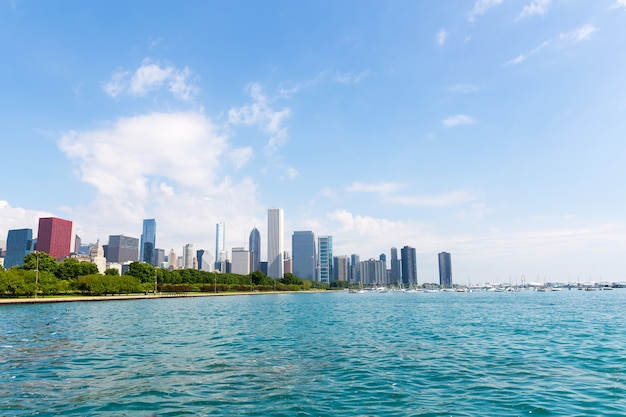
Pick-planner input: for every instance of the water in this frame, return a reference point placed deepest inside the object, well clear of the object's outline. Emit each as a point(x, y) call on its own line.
point(324, 354)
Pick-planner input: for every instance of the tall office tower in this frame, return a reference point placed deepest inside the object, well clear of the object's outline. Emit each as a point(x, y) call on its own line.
point(122, 249)
point(445, 270)
point(409, 266)
point(205, 260)
point(287, 264)
point(275, 246)
point(396, 277)
point(240, 261)
point(372, 272)
point(171, 260)
point(341, 265)
point(55, 237)
point(355, 277)
point(255, 250)
point(383, 258)
point(325, 259)
point(199, 255)
point(148, 242)
point(188, 256)
point(19, 244)
point(77, 244)
point(220, 242)
point(303, 254)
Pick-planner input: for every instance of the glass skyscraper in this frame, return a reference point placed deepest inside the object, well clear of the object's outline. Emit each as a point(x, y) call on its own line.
point(409, 266)
point(275, 244)
point(122, 249)
point(325, 259)
point(148, 242)
point(255, 250)
point(445, 270)
point(19, 244)
point(395, 267)
point(303, 254)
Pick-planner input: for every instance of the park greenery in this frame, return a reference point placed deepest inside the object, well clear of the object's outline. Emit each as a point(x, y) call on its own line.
point(42, 275)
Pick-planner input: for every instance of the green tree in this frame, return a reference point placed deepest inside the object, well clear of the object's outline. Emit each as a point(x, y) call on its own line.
point(46, 262)
point(112, 271)
point(145, 272)
point(290, 279)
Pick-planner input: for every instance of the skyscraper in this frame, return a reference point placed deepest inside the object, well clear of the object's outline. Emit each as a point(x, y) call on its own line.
point(275, 245)
point(395, 267)
point(19, 244)
point(55, 237)
point(325, 259)
point(303, 253)
point(409, 266)
point(220, 243)
point(341, 264)
point(148, 242)
point(445, 270)
point(255, 250)
point(122, 249)
point(355, 276)
point(188, 256)
point(240, 261)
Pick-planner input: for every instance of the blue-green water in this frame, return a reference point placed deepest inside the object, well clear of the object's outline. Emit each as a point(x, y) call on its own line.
point(323, 354)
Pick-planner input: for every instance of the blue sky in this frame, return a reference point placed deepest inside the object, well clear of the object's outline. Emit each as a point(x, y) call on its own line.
point(491, 129)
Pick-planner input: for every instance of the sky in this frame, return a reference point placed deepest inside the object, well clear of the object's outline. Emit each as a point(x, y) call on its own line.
point(490, 129)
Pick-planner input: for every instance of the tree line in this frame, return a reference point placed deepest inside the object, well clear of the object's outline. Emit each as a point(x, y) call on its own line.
point(43, 275)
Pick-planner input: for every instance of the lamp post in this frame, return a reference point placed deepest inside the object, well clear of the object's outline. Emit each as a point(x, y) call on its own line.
point(36, 273)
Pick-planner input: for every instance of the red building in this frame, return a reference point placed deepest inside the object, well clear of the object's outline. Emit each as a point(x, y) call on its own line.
point(55, 237)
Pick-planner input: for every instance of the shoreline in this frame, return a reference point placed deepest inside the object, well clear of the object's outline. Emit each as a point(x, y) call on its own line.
point(89, 298)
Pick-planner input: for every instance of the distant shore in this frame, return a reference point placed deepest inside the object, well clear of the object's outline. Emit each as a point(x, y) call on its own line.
point(82, 298)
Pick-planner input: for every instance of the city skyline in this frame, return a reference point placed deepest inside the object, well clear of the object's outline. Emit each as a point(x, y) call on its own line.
point(488, 129)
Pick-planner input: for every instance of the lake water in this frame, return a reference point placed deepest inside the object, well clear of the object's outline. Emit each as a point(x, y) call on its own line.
point(319, 354)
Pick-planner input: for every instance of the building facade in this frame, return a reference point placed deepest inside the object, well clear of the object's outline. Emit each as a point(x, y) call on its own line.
point(122, 249)
point(188, 256)
point(55, 237)
point(148, 242)
point(396, 268)
point(254, 245)
point(19, 244)
point(303, 254)
point(341, 267)
point(355, 276)
point(372, 272)
point(409, 266)
point(220, 244)
point(275, 244)
point(240, 261)
point(325, 259)
point(445, 270)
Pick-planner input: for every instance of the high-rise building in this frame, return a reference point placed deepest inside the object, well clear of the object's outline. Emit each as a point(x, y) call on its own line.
point(396, 266)
point(205, 260)
point(275, 244)
point(355, 277)
point(409, 266)
point(19, 244)
point(96, 256)
point(240, 261)
point(303, 254)
point(188, 256)
point(148, 242)
point(445, 270)
point(122, 249)
point(325, 259)
point(172, 260)
point(341, 265)
point(372, 272)
point(220, 242)
point(55, 237)
point(255, 250)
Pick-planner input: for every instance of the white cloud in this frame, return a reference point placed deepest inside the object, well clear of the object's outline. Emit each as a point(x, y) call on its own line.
point(350, 77)
point(481, 7)
point(536, 7)
point(260, 114)
point(163, 165)
point(618, 4)
point(292, 173)
point(575, 36)
point(18, 218)
point(379, 187)
point(442, 36)
point(150, 77)
point(458, 120)
point(451, 198)
point(563, 40)
point(241, 156)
